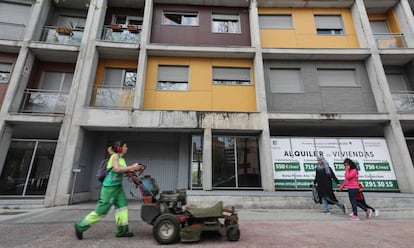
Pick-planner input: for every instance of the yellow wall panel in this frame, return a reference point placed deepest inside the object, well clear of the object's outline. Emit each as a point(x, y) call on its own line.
point(232, 97)
point(285, 38)
point(304, 35)
point(202, 94)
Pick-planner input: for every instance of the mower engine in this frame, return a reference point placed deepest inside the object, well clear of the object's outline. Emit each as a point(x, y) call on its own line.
point(173, 201)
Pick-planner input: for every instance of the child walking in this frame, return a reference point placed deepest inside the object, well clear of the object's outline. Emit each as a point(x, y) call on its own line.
point(362, 203)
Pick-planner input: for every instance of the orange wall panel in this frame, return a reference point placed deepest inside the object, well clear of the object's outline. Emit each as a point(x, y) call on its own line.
point(303, 34)
point(202, 94)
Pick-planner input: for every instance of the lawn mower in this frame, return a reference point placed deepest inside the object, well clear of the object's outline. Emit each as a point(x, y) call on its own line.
point(172, 221)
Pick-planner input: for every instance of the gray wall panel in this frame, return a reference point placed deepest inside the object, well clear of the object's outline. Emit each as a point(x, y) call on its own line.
point(316, 99)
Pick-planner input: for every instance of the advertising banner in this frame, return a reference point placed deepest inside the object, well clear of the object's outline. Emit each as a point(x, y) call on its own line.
point(294, 161)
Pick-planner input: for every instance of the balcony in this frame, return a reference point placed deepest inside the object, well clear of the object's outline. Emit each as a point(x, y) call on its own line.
point(113, 96)
point(403, 101)
point(44, 101)
point(66, 36)
point(122, 33)
point(390, 40)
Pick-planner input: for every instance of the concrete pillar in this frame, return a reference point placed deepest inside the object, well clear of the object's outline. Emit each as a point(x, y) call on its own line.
point(183, 161)
point(143, 56)
point(400, 156)
point(207, 160)
point(265, 153)
point(361, 24)
point(71, 135)
point(406, 20)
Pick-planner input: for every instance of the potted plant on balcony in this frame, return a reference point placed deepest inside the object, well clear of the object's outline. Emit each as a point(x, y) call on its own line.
point(116, 27)
point(66, 30)
point(133, 28)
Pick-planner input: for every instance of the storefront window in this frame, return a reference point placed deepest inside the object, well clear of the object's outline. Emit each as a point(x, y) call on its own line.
point(235, 162)
point(27, 167)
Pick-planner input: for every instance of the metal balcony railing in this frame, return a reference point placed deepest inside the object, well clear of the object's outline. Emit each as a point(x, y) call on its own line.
point(390, 40)
point(129, 34)
point(113, 96)
point(44, 101)
point(403, 101)
point(66, 36)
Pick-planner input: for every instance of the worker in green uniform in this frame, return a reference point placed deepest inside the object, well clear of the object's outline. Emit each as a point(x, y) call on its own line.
point(112, 193)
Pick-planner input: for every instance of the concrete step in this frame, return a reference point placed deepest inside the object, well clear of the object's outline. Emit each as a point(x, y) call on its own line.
point(254, 200)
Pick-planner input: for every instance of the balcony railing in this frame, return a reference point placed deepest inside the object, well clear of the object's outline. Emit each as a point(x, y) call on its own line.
point(390, 40)
point(129, 34)
point(403, 100)
point(44, 101)
point(62, 35)
point(113, 96)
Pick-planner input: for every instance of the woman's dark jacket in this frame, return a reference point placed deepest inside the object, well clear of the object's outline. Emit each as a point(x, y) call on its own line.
point(324, 183)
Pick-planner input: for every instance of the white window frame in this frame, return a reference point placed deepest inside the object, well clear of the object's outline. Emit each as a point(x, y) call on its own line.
point(339, 77)
point(5, 72)
point(225, 19)
point(329, 27)
point(164, 20)
point(293, 75)
point(276, 21)
point(177, 79)
point(238, 77)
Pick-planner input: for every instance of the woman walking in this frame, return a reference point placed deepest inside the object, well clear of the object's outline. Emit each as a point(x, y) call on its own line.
point(112, 193)
point(351, 183)
point(323, 180)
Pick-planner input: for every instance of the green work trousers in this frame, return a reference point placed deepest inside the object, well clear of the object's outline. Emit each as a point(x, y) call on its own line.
point(110, 195)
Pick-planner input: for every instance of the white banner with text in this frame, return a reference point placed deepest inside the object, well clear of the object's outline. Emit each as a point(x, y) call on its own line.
point(294, 161)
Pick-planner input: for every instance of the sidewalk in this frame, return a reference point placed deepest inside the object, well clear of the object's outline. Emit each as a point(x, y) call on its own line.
point(53, 227)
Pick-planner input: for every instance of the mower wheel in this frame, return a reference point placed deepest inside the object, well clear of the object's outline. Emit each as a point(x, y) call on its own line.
point(166, 229)
point(233, 233)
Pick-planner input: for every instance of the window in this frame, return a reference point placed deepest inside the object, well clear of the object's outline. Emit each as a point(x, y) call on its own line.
point(172, 77)
point(225, 23)
point(127, 20)
point(276, 21)
point(337, 77)
point(197, 162)
point(235, 162)
point(329, 24)
point(397, 82)
point(5, 70)
point(58, 81)
point(176, 18)
point(231, 75)
point(285, 80)
point(27, 167)
point(71, 21)
point(120, 77)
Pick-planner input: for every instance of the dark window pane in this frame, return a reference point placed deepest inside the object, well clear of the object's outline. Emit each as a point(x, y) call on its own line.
point(248, 168)
point(223, 161)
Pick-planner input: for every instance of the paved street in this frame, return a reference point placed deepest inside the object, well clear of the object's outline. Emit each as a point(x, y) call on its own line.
point(53, 227)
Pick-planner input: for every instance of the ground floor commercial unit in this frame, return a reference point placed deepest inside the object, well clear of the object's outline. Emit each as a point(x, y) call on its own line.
point(54, 163)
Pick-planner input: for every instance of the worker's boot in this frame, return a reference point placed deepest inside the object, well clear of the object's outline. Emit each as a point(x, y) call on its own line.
point(123, 231)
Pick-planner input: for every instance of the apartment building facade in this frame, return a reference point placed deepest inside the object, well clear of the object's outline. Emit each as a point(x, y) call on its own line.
point(212, 95)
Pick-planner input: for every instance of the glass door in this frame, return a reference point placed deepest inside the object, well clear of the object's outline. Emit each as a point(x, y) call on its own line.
point(27, 167)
